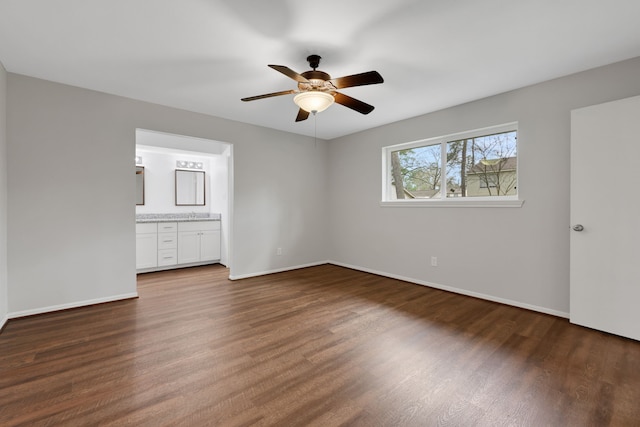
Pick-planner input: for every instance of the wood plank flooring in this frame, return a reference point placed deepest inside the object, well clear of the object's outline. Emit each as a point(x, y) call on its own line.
point(322, 346)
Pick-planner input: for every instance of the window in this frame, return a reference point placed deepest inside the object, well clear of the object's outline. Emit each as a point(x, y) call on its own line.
point(479, 165)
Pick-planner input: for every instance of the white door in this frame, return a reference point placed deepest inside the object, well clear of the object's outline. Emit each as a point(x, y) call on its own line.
point(605, 202)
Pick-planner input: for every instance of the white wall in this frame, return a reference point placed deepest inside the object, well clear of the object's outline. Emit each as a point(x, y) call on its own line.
point(219, 183)
point(221, 198)
point(470, 243)
point(4, 308)
point(71, 220)
point(72, 236)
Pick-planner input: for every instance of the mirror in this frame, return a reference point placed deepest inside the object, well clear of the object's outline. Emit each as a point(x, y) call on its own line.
point(189, 188)
point(139, 185)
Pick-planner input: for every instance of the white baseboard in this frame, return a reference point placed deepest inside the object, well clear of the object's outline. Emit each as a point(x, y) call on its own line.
point(539, 309)
point(77, 304)
point(457, 290)
point(278, 270)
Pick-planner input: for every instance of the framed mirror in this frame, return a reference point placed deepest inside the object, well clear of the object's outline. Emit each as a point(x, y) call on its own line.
point(190, 188)
point(139, 185)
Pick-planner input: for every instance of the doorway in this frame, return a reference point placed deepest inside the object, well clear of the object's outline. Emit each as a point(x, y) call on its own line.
point(162, 153)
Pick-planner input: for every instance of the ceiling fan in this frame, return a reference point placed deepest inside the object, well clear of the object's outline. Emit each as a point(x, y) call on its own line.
point(317, 90)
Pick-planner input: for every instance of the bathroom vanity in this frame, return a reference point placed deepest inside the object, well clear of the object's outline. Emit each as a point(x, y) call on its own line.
point(167, 241)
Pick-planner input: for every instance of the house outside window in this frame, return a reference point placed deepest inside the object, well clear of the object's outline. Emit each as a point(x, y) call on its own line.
point(493, 179)
point(480, 165)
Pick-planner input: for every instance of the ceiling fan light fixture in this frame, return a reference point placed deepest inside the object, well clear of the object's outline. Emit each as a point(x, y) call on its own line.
point(314, 101)
point(316, 90)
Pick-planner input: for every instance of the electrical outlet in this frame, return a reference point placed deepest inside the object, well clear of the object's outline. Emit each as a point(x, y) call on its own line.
point(434, 261)
point(279, 251)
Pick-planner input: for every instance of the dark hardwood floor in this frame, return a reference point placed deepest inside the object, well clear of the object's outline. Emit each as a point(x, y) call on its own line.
point(322, 346)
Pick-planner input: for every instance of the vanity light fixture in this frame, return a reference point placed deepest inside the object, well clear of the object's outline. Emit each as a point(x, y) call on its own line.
point(138, 160)
point(184, 164)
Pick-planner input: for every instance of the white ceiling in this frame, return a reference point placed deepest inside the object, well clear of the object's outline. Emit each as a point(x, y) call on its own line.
point(204, 55)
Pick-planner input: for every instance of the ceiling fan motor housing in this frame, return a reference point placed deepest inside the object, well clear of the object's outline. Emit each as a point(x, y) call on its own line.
point(316, 80)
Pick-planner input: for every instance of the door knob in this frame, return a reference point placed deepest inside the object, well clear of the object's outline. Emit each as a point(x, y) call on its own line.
point(578, 227)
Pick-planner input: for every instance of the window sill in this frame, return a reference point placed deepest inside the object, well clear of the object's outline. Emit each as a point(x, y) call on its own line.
point(484, 203)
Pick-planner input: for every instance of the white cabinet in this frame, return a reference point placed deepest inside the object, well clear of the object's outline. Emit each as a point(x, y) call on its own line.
point(198, 241)
point(165, 245)
point(146, 245)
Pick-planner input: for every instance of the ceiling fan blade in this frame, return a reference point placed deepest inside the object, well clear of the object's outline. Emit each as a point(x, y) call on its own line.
point(302, 115)
point(289, 73)
point(354, 104)
point(368, 78)
point(268, 95)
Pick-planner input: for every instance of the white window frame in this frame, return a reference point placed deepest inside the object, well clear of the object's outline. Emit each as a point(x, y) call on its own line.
point(513, 201)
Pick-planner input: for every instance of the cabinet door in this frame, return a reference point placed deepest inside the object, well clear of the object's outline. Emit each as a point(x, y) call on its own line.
point(188, 247)
point(146, 250)
point(210, 245)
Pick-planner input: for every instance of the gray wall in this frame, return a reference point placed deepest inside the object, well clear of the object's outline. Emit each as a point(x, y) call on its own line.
point(71, 221)
point(4, 308)
point(515, 255)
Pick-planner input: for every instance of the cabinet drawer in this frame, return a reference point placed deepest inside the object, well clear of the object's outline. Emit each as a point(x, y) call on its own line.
point(146, 227)
point(167, 257)
point(199, 225)
point(166, 227)
point(167, 240)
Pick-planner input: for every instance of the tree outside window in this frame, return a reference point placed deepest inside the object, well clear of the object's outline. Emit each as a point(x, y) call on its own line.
point(477, 166)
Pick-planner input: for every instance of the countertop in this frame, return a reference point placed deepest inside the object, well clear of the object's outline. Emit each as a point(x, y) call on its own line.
point(141, 218)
